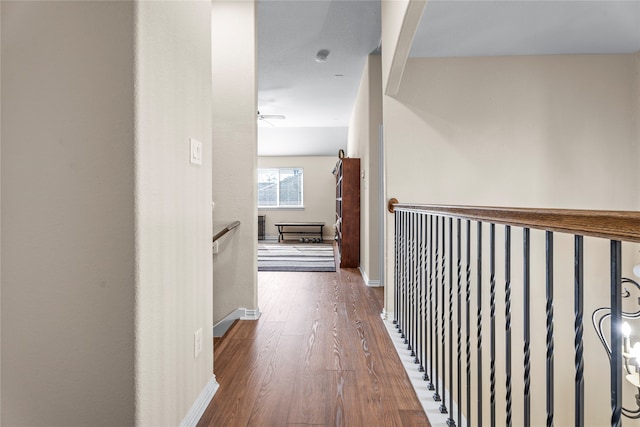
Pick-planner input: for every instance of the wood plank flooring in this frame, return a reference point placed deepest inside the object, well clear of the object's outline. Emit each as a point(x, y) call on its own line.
point(318, 355)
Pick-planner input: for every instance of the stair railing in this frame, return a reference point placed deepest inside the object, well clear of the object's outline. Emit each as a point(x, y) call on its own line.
point(446, 276)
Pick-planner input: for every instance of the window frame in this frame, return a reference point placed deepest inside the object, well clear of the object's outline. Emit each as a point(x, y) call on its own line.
point(279, 171)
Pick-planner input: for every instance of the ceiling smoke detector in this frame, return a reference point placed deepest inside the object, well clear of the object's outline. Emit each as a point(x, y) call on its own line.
point(322, 55)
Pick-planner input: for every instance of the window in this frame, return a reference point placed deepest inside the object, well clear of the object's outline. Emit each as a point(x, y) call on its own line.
point(280, 188)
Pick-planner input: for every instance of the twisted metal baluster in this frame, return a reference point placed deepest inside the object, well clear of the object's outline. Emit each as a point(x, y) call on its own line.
point(578, 344)
point(410, 283)
point(403, 307)
point(507, 314)
point(429, 378)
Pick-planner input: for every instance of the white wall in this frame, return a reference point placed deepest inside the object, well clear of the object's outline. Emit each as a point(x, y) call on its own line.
point(363, 142)
point(319, 194)
point(173, 208)
point(548, 131)
point(68, 235)
point(235, 156)
point(106, 226)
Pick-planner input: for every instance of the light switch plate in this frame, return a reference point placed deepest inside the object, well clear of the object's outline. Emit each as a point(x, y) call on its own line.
point(197, 343)
point(195, 152)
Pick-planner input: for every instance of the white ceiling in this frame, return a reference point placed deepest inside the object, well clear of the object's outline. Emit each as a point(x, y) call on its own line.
point(542, 27)
point(317, 98)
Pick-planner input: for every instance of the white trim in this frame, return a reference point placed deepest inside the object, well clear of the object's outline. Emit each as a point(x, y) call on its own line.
point(281, 208)
point(386, 315)
point(201, 403)
point(425, 396)
point(367, 281)
point(253, 314)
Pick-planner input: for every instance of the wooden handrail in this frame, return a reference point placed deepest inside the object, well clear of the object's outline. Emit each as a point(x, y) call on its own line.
point(613, 225)
point(226, 230)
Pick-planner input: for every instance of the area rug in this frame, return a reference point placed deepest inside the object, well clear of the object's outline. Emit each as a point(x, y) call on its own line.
point(289, 257)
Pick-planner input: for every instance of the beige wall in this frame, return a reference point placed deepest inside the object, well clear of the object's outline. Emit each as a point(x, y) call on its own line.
point(110, 225)
point(319, 194)
point(68, 224)
point(173, 208)
point(519, 131)
point(363, 143)
point(234, 156)
point(548, 131)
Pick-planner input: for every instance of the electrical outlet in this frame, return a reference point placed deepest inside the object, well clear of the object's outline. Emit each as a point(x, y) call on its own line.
point(197, 343)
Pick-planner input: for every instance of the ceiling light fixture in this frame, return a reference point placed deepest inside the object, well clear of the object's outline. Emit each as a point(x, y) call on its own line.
point(322, 55)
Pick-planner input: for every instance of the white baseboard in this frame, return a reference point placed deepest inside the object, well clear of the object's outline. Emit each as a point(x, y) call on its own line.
point(425, 396)
point(199, 406)
point(220, 328)
point(386, 315)
point(367, 281)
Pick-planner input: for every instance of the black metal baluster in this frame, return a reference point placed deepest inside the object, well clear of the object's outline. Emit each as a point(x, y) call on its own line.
point(414, 304)
point(401, 274)
point(492, 321)
point(423, 293)
point(527, 324)
point(410, 282)
point(403, 322)
point(616, 341)
point(450, 421)
point(507, 314)
point(407, 287)
point(436, 395)
point(416, 287)
point(398, 300)
point(468, 320)
point(396, 284)
point(430, 376)
point(459, 321)
point(443, 406)
point(578, 327)
point(420, 340)
point(479, 323)
point(549, 310)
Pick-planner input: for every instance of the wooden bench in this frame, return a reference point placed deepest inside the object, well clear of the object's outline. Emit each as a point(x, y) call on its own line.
point(295, 228)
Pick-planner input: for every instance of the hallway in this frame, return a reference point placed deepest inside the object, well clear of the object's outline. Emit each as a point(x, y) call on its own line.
point(318, 355)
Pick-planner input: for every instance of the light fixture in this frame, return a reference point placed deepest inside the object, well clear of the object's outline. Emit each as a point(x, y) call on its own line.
point(630, 355)
point(322, 55)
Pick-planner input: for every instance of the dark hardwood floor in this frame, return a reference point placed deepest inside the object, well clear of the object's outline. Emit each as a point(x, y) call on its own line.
point(318, 355)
